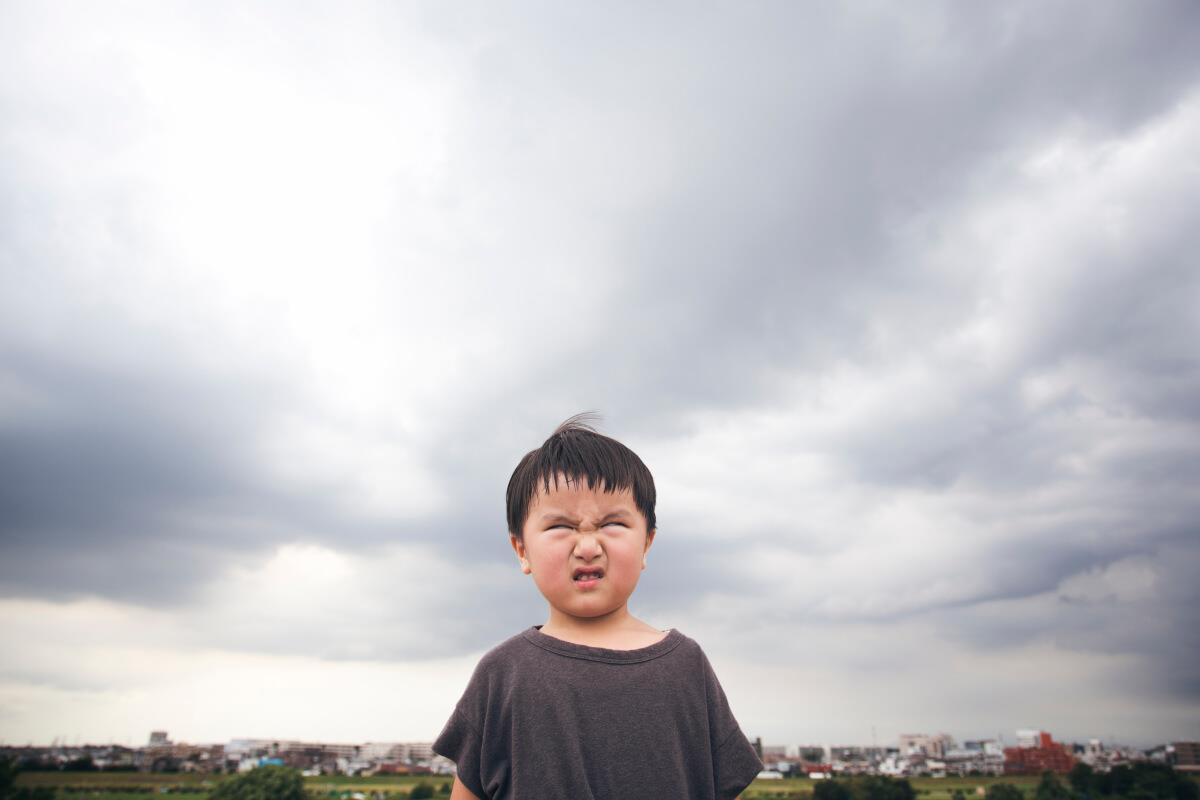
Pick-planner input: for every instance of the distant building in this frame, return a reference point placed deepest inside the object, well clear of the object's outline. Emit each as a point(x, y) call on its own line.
point(814, 752)
point(774, 752)
point(1040, 754)
point(1029, 737)
point(159, 739)
point(978, 757)
point(1186, 756)
point(934, 746)
point(419, 752)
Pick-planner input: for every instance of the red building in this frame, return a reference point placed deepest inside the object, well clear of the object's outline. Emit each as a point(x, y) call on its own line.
point(1047, 755)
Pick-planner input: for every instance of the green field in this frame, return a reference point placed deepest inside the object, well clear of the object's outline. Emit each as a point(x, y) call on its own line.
point(144, 785)
point(141, 785)
point(926, 788)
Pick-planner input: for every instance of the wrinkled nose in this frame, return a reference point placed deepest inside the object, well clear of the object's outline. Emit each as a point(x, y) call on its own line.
point(587, 547)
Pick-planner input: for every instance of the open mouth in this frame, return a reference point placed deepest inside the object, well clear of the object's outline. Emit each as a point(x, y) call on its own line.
point(588, 575)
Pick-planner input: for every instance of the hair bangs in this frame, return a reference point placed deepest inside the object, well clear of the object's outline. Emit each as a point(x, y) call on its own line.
point(578, 453)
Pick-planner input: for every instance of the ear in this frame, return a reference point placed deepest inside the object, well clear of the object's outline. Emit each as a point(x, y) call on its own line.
point(649, 541)
point(519, 548)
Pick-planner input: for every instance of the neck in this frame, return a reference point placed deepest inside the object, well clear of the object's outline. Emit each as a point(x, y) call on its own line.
point(618, 627)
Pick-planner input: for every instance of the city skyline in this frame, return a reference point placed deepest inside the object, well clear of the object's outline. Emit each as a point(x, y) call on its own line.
point(938, 756)
point(1003, 738)
point(999, 738)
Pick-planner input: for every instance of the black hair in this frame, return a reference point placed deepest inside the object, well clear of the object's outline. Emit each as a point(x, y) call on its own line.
point(578, 452)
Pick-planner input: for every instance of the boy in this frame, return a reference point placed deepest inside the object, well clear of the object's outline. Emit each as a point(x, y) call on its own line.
point(594, 703)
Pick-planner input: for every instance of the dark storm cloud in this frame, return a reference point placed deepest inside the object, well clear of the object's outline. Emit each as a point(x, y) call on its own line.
point(775, 252)
point(1108, 609)
point(127, 484)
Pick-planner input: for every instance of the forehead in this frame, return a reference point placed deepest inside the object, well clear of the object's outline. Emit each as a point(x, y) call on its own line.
point(567, 496)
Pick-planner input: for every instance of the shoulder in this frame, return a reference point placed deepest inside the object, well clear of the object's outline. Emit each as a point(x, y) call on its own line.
point(511, 648)
point(690, 657)
point(508, 648)
point(688, 660)
point(688, 648)
point(504, 659)
point(494, 675)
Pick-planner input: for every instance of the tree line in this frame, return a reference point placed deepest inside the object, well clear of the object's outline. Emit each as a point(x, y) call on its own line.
point(1126, 782)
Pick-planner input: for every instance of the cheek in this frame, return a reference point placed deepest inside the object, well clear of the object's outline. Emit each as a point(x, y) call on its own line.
point(548, 569)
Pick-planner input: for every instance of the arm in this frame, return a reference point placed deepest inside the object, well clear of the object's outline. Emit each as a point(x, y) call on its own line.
point(460, 792)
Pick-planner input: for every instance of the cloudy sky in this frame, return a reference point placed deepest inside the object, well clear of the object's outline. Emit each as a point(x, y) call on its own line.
point(900, 303)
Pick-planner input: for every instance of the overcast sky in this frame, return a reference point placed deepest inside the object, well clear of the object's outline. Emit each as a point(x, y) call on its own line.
point(899, 302)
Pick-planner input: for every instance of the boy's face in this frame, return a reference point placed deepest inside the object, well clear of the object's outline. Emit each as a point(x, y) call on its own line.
point(584, 547)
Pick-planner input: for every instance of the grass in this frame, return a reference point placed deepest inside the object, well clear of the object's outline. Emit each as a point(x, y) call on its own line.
point(926, 788)
point(142, 785)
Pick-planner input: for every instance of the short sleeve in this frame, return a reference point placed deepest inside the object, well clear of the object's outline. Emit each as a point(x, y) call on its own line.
point(735, 765)
point(461, 742)
point(735, 761)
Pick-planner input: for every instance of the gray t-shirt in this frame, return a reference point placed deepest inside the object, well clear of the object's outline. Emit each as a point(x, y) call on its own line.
point(543, 719)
